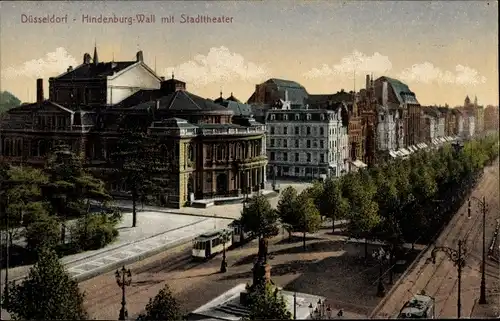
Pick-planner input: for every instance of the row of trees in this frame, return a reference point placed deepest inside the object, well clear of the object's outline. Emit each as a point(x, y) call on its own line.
point(403, 200)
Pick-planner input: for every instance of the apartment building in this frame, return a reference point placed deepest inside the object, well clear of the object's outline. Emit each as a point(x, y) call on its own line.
point(307, 143)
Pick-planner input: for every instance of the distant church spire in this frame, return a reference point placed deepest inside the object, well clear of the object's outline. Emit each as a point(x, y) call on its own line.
point(172, 74)
point(96, 59)
point(475, 100)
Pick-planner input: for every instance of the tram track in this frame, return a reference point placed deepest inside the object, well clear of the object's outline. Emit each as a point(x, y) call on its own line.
point(436, 279)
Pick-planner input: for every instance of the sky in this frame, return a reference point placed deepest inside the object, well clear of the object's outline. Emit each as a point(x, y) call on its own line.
point(443, 50)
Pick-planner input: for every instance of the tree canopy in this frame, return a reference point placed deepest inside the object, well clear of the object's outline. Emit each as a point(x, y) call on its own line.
point(48, 293)
point(164, 306)
point(259, 218)
point(266, 303)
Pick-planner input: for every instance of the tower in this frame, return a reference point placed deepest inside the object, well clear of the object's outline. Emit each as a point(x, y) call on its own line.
point(95, 59)
point(467, 101)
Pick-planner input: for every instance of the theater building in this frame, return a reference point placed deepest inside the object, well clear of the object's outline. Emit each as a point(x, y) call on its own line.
point(211, 152)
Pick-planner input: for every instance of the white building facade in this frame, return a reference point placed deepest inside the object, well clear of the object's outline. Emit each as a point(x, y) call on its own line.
point(307, 143)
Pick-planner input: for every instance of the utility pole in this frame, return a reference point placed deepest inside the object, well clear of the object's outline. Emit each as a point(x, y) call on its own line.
point(295, 305)
point(457, 257)
point(482, 204)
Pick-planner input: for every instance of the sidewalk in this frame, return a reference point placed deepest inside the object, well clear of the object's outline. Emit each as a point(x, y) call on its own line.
point(154, 233)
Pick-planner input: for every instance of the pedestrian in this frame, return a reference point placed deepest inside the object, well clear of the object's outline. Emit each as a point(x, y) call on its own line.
point(340, 314)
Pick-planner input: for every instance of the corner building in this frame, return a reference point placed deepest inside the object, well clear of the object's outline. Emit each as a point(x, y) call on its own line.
point(208, 151)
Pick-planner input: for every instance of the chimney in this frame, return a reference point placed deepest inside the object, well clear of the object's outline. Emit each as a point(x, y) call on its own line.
point(367, 82)
point(70, 68)
point(39, 90)
point(286, 95)
point(86, 58)
point(139, 56)
point(385, 93)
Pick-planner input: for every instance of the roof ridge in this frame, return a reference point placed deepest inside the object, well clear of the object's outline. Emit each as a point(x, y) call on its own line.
point(185, 94)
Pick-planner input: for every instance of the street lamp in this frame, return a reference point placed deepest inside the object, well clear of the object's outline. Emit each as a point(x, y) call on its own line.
point(457, 257)
point(482, 204)
point(380, 255)
point(123, 279)
point(223, 265)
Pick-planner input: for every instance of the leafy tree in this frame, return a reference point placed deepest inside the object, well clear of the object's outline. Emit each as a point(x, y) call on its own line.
point(266, 303)
point(44, 233)
point(137, 160)
point(286, 209)
point(71, 188)
point(164, 306)
point(309, 220)
point(332, 203)
point(315, 192)
point(48, 293)
point(259, 218)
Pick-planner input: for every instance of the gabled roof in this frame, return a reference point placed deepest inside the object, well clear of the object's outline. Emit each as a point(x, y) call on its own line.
point(100, 70)
point(36, 106)
point(238, 108)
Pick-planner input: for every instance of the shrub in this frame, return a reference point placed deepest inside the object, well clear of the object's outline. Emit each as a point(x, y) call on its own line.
point(94, 231)
point(43, 233)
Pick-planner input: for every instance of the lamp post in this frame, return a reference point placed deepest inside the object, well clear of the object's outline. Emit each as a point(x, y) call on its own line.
point(123, 279)
point(223, 265)
point(457, 257)
point(482, 204)
point(380, 255)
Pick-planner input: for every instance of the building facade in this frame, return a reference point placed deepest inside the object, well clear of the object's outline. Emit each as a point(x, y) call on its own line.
point(211, 150)
point(308, 143)
point(410, 111)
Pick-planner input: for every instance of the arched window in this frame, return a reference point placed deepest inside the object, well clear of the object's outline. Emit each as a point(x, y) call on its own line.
point(42, 148)
point(19, 147)
point(191, 153)
point(6, 147)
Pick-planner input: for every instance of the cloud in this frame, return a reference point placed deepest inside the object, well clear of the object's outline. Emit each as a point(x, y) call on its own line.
point(53, 64)
point(427, 73)
point(219, 64)
point(356, 62)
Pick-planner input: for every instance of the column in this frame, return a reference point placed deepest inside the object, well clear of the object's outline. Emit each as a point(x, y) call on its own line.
point(248, 184)
point(262, 177)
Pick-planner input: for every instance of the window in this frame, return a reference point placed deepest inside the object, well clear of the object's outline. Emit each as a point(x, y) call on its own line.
point(297, 130)
point(285, 130)
point(308, 116)
point(285, 157)
point(285, 117)
point(272, 156)
point(296, 157)
point(322, 117)
point(321, 131)
point(322, 158)
point(297, 117)
point(308, 144)
point(273, 116)
point(308, 130)
point(308, 157)
point(272, 130)
point(297, 170)
point(285, 143)
point(272, 142)
point(321, 144)
point(296, 143)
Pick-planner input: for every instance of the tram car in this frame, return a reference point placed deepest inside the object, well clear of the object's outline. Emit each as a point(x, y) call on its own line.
point(209, 244)
point(239, 234)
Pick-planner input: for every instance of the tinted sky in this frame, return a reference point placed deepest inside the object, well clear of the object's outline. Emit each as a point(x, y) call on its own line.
point(443, 50)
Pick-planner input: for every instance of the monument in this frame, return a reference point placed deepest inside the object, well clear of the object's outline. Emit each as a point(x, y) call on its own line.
point(261, 271)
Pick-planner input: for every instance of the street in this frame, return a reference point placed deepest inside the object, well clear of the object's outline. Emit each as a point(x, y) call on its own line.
point(440, 280)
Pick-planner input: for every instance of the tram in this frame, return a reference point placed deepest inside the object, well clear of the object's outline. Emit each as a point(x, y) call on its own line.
point(209, 244)
point(420, 306)
point(239, 234)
